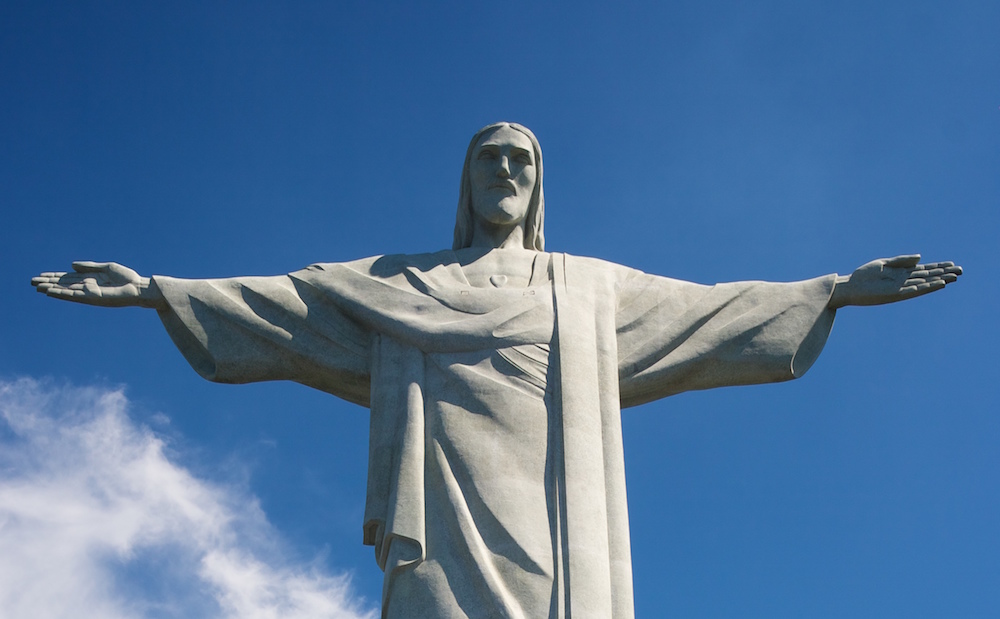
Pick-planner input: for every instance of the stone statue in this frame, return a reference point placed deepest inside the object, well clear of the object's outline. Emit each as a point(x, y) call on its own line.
point(495, 373)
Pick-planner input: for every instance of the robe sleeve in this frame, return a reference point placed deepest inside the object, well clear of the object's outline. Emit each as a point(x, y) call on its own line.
point(250, 329)
point(676, 336)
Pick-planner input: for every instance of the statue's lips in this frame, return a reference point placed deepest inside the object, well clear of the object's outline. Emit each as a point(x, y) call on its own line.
point(503, 187)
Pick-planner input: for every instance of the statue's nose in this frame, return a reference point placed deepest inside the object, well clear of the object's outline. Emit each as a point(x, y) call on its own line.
point(503, 171)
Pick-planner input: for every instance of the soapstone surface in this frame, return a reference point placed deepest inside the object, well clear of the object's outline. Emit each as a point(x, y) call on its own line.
point(496, 373)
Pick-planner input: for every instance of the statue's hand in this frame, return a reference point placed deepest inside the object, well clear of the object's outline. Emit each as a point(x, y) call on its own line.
point(888, 280)
point(107, 284)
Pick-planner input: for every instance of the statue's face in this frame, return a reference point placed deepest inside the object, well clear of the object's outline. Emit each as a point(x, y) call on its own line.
point(502, 172)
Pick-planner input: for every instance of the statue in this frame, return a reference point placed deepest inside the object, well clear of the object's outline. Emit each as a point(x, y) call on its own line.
point(495, 373)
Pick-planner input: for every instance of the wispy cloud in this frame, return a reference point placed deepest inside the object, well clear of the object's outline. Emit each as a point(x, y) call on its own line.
point(97, 520)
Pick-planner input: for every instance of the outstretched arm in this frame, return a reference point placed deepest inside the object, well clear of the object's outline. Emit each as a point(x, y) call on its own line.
point(888, 280)
point(107, 284)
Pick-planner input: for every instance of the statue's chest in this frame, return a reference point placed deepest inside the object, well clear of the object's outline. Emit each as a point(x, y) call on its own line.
point(503, 270)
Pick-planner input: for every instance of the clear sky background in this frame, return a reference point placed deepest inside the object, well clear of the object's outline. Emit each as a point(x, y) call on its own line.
point(708, 141)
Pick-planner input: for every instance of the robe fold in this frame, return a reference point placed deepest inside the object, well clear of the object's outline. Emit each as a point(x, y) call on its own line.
point(496, 482)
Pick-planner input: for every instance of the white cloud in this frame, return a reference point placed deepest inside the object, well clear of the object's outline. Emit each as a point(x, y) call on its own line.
point(97, 521)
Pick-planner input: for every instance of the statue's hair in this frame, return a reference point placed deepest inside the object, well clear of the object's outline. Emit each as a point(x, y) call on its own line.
point(534, 237)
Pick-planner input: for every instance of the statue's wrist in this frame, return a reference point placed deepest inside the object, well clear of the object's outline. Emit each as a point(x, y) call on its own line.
point(149, 294)
point(842, 290)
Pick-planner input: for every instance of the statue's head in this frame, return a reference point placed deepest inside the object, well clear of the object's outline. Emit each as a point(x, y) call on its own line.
point(502, 184)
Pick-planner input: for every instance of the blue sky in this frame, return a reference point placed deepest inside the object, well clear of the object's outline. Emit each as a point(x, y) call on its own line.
point(708, 141)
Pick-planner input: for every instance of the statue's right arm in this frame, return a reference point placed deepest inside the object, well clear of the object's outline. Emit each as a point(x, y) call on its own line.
point(106, 284)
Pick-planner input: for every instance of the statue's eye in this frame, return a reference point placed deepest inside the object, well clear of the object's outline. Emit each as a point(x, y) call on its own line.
point(486, 154)
point(523, 159)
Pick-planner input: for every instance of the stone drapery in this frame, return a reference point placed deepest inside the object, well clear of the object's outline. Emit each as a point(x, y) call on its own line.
point(461, 380)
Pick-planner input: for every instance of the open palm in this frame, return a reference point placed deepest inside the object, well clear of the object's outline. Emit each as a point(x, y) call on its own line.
point(107, 284)
point(888, 280)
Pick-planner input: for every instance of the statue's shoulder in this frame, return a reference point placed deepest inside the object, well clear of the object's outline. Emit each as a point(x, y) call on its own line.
point(389, 265)
point(588, 262)
point(595, 267)
point(627, 279)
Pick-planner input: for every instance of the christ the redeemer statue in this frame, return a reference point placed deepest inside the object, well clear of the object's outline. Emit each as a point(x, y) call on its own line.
point(496, 373)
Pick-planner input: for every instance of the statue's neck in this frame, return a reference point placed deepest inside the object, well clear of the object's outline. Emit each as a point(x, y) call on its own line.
point(497, 237)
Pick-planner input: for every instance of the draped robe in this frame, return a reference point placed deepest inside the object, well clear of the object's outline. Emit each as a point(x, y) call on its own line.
point(496, 483)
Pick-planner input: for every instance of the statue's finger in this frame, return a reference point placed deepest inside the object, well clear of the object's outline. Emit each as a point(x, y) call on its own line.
point(947, 278)
point(929, 286)
point(35, 281)
point(927, 273)
point(55, 274)
point(937, 265)
point(957, 270)
point(907, 261)
point(908, 292)
point(86, 266)
point(88, 286)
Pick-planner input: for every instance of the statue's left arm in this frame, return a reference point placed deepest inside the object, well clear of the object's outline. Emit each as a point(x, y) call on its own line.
point(675, 336)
